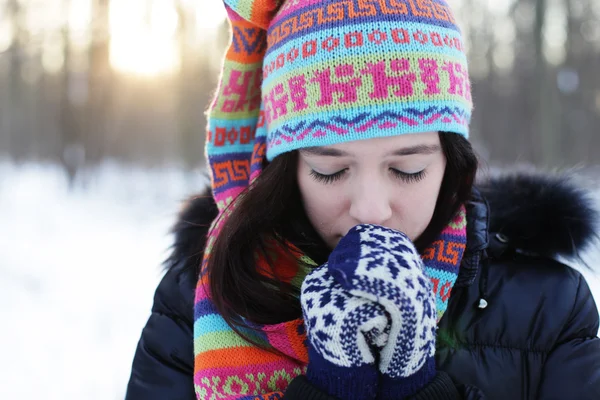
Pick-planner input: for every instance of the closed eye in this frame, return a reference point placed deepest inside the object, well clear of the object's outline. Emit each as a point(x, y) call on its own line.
point(404, 176)
point(408, 178)
point(327, 178)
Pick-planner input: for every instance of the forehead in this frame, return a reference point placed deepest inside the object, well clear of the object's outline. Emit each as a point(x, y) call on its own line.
point(426, 142)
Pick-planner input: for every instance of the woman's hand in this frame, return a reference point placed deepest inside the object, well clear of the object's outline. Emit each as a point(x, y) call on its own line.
point(370, 308)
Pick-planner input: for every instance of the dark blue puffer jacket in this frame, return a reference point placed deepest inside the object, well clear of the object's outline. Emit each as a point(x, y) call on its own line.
point(519, 324)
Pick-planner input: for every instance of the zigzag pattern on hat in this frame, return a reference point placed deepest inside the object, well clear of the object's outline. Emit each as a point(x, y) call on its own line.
point(322, 129)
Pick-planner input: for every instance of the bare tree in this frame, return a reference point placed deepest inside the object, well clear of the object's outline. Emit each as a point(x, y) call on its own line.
point(100, 82)
point(546, 134)
point(194, 85)
point(71, 141)
point(13, 116)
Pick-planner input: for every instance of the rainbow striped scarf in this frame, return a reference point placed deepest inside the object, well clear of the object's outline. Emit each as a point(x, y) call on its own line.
point(228, 367)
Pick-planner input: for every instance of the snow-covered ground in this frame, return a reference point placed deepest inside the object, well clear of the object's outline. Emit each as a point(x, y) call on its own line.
point(77, 274)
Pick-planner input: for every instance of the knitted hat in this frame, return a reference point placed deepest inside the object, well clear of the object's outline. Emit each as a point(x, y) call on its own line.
point(303, 73)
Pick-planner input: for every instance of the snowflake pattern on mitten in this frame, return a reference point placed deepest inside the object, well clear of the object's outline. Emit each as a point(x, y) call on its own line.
point(340, 326)
point(382, 265)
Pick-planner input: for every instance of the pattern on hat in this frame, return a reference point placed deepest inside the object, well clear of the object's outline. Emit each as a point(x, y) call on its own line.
point(316, 73)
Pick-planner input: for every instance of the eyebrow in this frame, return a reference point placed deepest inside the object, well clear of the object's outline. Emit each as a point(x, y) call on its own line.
point(406, 151)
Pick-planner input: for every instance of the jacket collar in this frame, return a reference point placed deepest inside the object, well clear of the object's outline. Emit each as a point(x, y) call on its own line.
point(477, 238)
point(533, 213)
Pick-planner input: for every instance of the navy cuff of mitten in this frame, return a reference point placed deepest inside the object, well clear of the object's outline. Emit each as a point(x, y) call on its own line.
point(346, 383)
point(402, 388)
point(440, 388)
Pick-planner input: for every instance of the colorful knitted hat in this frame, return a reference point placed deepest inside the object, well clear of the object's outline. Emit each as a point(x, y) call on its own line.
point(303, 73)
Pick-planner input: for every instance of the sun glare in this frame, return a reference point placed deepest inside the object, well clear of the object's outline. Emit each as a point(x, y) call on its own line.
point(143, 37)
point(143, 33)
point(210, 15)
point(79, 21)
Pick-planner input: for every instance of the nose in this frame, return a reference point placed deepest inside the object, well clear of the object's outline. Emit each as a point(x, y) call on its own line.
point(371, 203)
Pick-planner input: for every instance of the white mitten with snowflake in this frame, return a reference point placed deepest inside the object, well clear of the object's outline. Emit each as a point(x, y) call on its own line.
point(370, 310)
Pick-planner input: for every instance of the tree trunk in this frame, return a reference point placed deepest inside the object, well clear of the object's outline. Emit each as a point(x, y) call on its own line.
point(191, 122)
point(13, 115)
point(100, 80)
point(71, 146)
point(545, 127)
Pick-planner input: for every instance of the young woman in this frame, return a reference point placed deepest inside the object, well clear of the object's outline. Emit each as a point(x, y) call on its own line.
point(350, 255)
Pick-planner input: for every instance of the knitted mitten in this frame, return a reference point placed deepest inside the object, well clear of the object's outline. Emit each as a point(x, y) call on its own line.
point(338, 324)
point(383, 266)
point(371, 303)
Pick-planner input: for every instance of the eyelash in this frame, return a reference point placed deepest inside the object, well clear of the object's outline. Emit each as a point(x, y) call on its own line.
point(403, 176)
point(327, 179)
point(409, 178)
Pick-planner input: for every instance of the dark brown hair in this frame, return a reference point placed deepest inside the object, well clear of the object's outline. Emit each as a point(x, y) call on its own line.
point(271, 211)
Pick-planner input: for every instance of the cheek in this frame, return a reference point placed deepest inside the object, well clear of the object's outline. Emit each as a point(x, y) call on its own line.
point(419, 205)
point(323, 204)
point(415, 215)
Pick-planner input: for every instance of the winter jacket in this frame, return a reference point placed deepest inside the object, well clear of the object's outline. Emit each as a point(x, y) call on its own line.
point(519, 324)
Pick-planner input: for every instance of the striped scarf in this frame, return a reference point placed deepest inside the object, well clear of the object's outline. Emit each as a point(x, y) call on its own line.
point(228, 367)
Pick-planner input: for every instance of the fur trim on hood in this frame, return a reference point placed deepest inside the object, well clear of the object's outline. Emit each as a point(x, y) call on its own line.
point(541, 213)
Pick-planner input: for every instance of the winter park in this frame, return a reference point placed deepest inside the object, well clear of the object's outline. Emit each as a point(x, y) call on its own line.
point(113, 113)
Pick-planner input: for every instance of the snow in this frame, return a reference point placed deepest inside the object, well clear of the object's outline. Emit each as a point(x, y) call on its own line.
point(78, 270)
